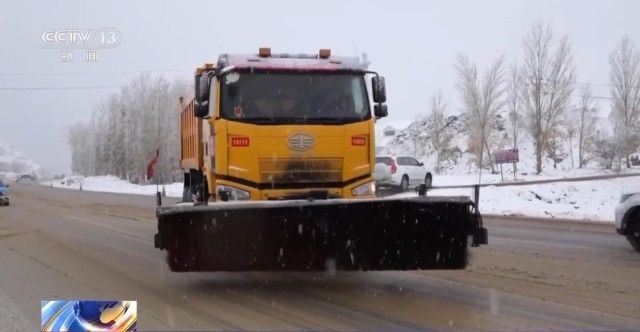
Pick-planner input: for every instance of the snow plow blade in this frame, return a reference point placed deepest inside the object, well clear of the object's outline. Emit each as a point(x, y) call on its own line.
point(366, 234)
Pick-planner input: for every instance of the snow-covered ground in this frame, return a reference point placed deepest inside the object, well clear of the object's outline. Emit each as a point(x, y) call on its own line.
point(586, 200)
point(589, 200)
point(112, 184)
point(592, 200)
point(488, 178)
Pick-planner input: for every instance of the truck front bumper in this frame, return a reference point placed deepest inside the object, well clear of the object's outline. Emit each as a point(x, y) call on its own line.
point(266, 194)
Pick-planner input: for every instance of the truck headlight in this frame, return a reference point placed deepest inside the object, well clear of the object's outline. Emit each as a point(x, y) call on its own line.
point(368, 188)
point(233, 194)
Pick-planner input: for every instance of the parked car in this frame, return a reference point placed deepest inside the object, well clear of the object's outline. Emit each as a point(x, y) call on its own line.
point(4, 193)
point(26, 178)
point(628, 218)
point(401, 171)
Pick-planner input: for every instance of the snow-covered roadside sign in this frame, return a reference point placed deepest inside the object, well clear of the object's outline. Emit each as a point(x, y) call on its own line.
point(506, 156)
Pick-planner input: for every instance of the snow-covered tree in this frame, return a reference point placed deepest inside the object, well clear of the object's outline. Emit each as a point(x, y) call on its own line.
point(128, 127)
point(82, 152)
point(606, 149)
point(514, 104)
point(625, 91)
point(571, 129)
point(549, 79)
point(440, 132)
point(482, 99)
point(555, 148)
point(586, 126)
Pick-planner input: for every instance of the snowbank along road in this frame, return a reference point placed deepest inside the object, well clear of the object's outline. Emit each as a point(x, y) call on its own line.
point(533, 275)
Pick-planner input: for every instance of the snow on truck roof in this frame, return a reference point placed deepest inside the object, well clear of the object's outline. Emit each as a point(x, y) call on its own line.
point(265, 60)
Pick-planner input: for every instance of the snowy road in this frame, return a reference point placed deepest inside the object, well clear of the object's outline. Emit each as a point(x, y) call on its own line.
point(534, 275)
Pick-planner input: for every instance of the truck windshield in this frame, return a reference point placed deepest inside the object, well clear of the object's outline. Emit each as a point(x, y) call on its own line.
point(294, 97)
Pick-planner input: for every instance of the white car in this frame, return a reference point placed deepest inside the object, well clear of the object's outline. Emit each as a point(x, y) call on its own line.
point(401, 171)
point(628, 218)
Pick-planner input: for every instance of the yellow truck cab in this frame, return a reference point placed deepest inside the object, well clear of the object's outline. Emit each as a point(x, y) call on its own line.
point(281, 126)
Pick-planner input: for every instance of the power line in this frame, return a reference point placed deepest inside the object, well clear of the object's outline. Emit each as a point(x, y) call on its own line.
point(98, 73)
point(595, 97)
point(579, 96)
point(62, 87)
point(593, 84)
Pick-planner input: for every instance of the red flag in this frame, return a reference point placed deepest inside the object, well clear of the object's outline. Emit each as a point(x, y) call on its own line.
point(152, 165)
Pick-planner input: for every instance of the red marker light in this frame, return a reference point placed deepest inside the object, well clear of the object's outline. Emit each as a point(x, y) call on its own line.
point(239, 141)
point(264, 52)
point(324, 53)
point(358, 140)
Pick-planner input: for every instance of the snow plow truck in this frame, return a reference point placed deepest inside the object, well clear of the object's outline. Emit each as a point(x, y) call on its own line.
point(278, 153)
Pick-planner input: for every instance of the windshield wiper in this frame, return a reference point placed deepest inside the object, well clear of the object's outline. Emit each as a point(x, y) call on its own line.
point(258, 120)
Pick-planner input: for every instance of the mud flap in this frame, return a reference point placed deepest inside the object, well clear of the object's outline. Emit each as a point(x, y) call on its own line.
point(376, 234)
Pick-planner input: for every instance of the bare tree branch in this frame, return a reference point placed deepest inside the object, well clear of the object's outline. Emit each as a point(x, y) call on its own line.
point(586, 126)
point(440, 133)
point(482, 101)
point(625, 91)
point(549, 75)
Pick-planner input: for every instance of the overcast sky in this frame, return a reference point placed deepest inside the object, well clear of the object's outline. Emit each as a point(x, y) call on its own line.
point(412, 43)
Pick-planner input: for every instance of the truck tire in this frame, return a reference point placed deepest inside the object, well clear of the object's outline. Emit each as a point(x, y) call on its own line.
point(186, 190)
point(195, 185)
point(186, 194)
point(202, 191)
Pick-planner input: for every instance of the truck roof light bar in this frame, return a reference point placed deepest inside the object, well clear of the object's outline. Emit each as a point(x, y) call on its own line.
point(294, 56)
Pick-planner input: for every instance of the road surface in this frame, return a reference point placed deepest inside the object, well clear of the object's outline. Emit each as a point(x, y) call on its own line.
point(534, 275)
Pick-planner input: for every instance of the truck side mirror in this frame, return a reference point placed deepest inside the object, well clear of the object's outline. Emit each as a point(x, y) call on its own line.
point(202, 87)
point(380, 110)
point(202, 109)
point(379, 89)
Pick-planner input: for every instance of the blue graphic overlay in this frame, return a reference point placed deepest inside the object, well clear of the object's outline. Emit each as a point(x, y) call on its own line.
point(88, 315)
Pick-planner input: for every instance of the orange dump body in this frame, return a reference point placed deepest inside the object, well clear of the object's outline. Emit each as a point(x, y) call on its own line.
point(192, 148)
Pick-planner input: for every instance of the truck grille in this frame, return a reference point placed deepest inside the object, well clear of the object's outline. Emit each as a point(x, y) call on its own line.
point(300, 170)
